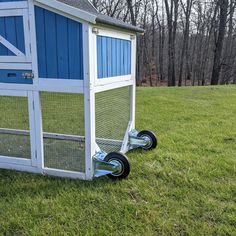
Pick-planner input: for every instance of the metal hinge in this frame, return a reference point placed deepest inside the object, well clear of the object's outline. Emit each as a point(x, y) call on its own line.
point(95, 30)
point(28, 75)
point(132, 37)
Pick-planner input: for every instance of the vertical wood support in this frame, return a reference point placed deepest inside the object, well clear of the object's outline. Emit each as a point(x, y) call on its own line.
point(34, 98)
point(32, 128)
point(33, 40)
point(133, 74)
point(89, 46)
point(38, 130)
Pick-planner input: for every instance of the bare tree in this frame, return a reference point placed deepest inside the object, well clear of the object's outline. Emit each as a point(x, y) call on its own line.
point(187, 8)
point(220, 41)
point(172, 17)
point(191, 40)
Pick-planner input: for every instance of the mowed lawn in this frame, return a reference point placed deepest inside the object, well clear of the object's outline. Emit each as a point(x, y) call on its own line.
point(185, 187)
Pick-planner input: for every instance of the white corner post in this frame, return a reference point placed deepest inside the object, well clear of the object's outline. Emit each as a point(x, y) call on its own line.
point(89, 46)
point(34, 96)
point(39, 152)
point(133, 74)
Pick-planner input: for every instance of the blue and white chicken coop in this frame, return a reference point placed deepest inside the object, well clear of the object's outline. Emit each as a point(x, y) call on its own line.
point(67, 90)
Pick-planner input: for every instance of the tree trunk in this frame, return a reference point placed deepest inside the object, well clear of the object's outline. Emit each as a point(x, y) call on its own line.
point(220, 40)
point(131, 10)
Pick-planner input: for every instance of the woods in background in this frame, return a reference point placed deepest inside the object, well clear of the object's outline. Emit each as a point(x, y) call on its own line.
point(186, 42)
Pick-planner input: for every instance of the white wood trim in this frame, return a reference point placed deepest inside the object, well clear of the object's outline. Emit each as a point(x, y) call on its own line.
point(43, 88)
point(15, 66)
point(12, 12)
point(14, 59)
point(13, 93)
point(60, 82)
point(89, 100)
point(17, 167)
point(133, 72)
point(108, 32)
point(59, 89)
point(66, 10)
point(112, 80)
point(74, 18)
point(94, 58)
point(20, 56)
point(10, 47)
point(115, 85)
point(15, 160)
point(44, 171)
point(61, 85)
point(64, 173)
point(38, 130)
point(27, 36)
point(13, 5)
point(33, 40)
point(32, 126)
point(113, 34)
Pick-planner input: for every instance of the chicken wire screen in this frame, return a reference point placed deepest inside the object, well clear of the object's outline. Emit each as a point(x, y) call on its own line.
point(63, 131)
point(112, 117)
point(14, 127)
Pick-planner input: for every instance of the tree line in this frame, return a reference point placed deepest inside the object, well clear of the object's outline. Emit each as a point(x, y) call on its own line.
point(186, 42)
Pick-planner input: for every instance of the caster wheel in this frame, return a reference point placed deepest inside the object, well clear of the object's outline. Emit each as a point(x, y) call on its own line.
point(152, 139)
point(122, 160)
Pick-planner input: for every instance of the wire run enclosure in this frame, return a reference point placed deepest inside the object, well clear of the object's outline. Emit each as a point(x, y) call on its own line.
point(67, 88)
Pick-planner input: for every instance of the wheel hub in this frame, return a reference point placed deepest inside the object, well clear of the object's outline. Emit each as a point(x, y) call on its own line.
point(119, 168)
point(148, 140)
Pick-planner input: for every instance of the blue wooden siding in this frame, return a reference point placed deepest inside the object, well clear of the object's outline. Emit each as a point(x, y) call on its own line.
point(113, 57)
point(12, 0)
point(60, 46)
point(14, 76)
point(11, 28)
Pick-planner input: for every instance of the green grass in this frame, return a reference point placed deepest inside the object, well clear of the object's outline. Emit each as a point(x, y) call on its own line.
point(185, 187)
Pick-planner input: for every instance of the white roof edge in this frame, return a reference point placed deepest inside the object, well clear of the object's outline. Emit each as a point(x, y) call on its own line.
point(83, 15)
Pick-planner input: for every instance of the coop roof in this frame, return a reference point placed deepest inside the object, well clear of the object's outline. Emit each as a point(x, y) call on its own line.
point(85, 7)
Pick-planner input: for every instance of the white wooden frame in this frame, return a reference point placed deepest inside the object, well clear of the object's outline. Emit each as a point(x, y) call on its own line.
point(109, 32)
point(89, 87)
point(89, 99)
point(20, 57)
point(13, 5)
point(32, 122)
point(66, 10)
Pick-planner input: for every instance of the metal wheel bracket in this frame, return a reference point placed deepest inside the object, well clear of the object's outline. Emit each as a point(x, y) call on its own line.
point(137, 142)
point(102, 168)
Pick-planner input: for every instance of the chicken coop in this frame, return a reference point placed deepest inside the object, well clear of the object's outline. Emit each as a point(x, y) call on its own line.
point(67, 90)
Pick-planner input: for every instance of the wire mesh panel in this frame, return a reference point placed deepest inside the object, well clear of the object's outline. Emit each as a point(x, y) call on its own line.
point(14, 127)
point(112, 117)
point(63, 127)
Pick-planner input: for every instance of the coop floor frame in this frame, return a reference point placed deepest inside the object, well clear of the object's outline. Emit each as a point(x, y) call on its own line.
point(36, 163)
point(89, 86)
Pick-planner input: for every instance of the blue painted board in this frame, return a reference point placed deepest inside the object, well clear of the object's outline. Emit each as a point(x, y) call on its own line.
point(113, 57)
point(12, 29)
point(14, 76)
point(59, 46)
point(41, 42)
point(12, 0)
point(51, 44)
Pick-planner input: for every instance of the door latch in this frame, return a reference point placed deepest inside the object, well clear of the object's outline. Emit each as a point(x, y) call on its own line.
point(28, 75)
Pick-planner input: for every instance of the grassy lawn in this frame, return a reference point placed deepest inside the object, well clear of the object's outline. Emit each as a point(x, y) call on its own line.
point(185, 187)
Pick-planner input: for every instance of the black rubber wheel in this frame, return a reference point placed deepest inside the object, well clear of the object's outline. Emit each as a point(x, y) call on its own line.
point(153, 139)
point(121, 159)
